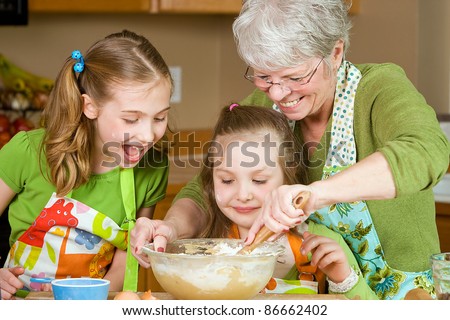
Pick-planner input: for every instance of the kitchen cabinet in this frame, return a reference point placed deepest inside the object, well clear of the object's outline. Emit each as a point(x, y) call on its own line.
point(197, 6)
point(210, 6)
point(145, 6)
point(136, 6)
point(89, 6)
point(354, 9)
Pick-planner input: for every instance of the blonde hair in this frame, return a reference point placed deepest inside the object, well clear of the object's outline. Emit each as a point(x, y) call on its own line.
point(123, 57)
point(241, 120)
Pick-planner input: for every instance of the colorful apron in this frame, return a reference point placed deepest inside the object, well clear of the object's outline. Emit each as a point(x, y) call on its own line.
point(303, 278)
point(353, 220)
point(70, 239)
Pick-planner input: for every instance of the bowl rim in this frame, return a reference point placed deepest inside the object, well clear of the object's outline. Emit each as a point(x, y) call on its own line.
point(277, 250)
point(60, 282)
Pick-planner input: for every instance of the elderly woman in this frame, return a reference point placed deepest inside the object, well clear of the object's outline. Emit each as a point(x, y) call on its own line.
point(372, 146)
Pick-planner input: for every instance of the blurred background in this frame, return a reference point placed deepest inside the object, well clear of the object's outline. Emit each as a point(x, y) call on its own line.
point(195, 38)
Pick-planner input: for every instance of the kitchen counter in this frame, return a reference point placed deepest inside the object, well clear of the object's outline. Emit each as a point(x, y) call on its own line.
point(442, 190)
point(168, 296)
point(415, 294)
point(443, 225)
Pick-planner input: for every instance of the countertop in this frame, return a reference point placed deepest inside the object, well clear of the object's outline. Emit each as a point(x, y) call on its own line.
point(442, 190)
point(167, 296)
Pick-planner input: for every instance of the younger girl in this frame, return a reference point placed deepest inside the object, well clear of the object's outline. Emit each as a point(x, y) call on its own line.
point(251, 154)
point(74, 186)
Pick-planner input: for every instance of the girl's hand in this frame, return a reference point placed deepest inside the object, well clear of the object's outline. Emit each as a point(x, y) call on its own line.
point(278, 213)
point(9, 281)
point(145, 231)
point(327, 255)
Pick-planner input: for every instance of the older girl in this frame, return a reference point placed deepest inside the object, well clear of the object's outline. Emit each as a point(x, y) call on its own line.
point(74, 186)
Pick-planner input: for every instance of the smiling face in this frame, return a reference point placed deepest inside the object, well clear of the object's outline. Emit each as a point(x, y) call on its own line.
point(129, 124)
point(312, 99)
point(246, 173)
point(298, 102)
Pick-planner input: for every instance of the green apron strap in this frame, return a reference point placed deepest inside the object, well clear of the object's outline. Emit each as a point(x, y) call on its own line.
point(129, 202)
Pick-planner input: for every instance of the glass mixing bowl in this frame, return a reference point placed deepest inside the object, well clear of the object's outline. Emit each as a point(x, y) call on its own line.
point(211, 269)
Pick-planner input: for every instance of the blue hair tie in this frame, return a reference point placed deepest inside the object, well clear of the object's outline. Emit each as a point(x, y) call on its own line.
point(79, 66)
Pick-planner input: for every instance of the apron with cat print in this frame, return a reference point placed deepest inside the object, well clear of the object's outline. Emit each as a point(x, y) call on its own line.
point(353, 220)
point(71, 239)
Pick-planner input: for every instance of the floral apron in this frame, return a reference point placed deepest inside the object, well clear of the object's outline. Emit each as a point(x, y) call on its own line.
point(71, 239)
point(353, 220)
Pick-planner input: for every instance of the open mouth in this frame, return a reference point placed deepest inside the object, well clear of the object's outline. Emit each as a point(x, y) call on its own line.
point(133, 153)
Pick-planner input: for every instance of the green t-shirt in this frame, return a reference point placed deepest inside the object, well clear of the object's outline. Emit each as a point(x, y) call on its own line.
point(20, 170)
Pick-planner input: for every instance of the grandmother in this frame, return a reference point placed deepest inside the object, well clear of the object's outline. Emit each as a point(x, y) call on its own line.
point(372, 145)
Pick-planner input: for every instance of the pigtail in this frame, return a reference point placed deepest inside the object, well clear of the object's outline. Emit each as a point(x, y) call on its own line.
point(66, 140)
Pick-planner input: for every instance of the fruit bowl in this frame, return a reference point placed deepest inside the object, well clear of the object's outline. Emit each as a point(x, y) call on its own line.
point(211, 269)
point(80, 289)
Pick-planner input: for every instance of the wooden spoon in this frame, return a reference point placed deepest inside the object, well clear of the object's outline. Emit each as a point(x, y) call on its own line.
point(265, 233)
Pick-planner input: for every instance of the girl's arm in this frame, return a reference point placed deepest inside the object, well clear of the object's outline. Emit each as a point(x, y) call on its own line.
point(10, 282)
point(183, 220)
point(8, 276)
point(327, 255)
point(146, 212)
point(6, 195)
point(333, 256)
point(116, 272)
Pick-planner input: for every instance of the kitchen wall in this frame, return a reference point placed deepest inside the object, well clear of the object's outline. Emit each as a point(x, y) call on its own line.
point(384, 31)
point(434, 56)
point(201, 44)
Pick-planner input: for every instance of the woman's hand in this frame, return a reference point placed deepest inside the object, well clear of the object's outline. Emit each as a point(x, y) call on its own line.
point(278, 213)
point(9, 281)
point(145, 231)
point(327, 255)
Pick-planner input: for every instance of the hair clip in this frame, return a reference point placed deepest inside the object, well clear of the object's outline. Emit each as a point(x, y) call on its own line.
point(79, 66)
point(232, 106)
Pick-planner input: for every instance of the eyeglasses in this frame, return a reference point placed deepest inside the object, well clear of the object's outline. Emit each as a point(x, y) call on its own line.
point(292, 83)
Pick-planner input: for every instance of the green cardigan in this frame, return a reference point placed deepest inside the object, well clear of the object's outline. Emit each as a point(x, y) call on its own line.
point(391, 117)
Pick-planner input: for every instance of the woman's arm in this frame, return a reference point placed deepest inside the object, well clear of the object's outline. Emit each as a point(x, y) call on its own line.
point(369, 179)
point(186, 217)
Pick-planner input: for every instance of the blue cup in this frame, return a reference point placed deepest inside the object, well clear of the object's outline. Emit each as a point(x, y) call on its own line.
point(80, 289)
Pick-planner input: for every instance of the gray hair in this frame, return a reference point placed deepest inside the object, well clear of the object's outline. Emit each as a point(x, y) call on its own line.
point(277, 34)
